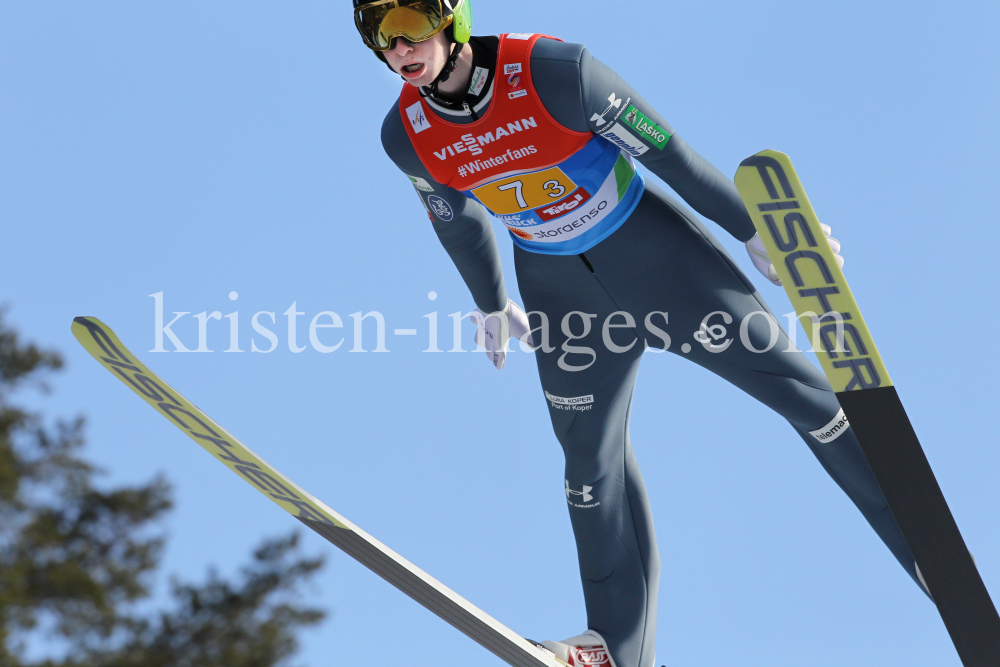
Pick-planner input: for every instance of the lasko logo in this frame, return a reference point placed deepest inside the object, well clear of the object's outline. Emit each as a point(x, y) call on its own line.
point(652, 132)
point(584, 494)
point(845, 346)
point(833, 430)
point(440, 207)
point(512, 68)
point(473, 144)
point(418, 119)
point(615, 103)
point(625, 140)
point(517, 93)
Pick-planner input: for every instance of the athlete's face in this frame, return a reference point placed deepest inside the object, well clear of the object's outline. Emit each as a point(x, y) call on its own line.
point(419, 63)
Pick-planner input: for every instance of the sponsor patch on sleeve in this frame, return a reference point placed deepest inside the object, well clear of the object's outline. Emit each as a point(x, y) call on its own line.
point(440, 208)
point(833, 430)
point(420, 184)
point(625, 140)
point(644, 127)
point(520, 35)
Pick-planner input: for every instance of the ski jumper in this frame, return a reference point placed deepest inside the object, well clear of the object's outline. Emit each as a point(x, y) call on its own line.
point(656, 258)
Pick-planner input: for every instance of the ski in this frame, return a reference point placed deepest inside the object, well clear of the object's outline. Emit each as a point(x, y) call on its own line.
point(816, 286)
point(102, 343)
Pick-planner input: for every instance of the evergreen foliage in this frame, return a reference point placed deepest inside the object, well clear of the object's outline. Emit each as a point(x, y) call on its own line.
point(75, 559)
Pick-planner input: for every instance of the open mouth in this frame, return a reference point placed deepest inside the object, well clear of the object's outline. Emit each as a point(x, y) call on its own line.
point(415, 68)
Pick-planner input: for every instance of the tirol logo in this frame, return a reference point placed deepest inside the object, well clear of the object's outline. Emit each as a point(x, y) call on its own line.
point(440, 207)
point(585, 493)
point(652, 132)
point(513, 80)
point(576, 198)
point(418, 119)
point(615, 103)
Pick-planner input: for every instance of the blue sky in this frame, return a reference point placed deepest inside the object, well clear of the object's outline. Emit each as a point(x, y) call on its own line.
point(198, 149)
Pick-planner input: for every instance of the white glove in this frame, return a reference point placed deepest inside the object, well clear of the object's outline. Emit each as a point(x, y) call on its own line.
point(758, 255)
point(494, 330)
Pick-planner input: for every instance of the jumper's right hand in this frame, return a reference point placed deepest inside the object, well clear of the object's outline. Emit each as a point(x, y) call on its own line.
point(494, 330)
point(758, 254)
point(761, 262)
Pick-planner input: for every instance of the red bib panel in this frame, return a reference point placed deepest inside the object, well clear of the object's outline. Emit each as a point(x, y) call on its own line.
point(515, 135)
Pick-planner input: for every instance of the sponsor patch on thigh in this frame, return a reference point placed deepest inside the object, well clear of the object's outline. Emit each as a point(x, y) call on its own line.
point(578, 403)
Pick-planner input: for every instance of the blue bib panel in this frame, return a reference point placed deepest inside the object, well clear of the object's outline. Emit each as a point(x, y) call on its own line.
point(568, 208)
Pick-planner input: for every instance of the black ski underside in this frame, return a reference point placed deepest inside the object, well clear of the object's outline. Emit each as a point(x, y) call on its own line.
point(915, 499)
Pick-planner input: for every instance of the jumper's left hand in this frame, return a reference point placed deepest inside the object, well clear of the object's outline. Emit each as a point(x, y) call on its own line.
point(758, 254)
point(494, 331)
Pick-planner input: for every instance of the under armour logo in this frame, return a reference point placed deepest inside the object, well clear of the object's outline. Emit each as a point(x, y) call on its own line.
point(585, 493)
point(615, 103)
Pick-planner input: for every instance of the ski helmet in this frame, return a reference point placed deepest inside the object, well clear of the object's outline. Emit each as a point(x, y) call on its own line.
point(382, 21)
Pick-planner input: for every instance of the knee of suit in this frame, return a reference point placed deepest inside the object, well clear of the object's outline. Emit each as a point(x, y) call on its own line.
point(804, 406)
point(584, 443)
point(595, 463)
point(846, 463)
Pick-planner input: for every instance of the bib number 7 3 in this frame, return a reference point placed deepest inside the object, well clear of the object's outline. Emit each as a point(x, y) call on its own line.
point(516, 194)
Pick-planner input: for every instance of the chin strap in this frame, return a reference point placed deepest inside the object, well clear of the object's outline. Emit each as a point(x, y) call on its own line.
point(449, 67)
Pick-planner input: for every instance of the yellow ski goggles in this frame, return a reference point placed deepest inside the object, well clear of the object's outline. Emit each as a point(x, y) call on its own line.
point(414, 20)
